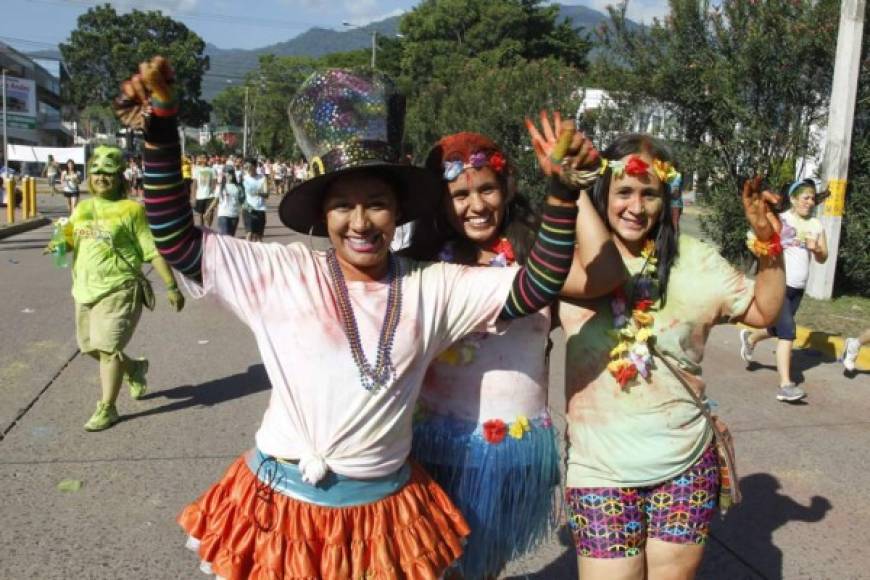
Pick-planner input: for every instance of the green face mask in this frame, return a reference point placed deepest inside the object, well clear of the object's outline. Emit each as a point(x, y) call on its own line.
point(105, 171)
point(107, 160)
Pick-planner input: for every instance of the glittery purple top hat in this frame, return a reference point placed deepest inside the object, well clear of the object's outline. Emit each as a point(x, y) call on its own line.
point(347, 122)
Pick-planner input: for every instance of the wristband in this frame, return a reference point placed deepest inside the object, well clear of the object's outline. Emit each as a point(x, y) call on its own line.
point(770, 248)
point(172, 287)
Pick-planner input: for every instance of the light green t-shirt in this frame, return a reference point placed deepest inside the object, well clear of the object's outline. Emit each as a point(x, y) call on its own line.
point(648, 432)
point(94, 228)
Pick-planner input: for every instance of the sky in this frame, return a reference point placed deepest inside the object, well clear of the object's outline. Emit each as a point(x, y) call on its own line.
point(30, 25)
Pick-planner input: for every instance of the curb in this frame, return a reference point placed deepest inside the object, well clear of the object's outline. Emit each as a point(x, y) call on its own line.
point(25, 226)
point(829, 345)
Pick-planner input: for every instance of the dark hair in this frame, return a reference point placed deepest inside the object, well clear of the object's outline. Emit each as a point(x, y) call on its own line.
point(663, 232)
point(232, 173)
point(519, 226)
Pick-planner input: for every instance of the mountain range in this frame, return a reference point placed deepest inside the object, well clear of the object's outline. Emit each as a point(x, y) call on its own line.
point(228, 65)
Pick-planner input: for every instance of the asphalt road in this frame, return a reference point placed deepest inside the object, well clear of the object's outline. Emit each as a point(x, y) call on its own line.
point(806, 494)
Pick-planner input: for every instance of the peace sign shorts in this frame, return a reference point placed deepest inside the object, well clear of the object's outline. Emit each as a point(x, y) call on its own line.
point(615, 522)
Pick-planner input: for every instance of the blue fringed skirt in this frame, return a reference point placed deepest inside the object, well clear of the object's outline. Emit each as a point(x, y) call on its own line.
point(503, 477)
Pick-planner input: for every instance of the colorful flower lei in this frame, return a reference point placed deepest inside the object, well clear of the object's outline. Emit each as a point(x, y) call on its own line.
point(631, 355)
point(504, 253)
point(495, 160)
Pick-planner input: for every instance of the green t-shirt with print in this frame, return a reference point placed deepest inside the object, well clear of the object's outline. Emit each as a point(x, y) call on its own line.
point(649, 431)
point(98, 231)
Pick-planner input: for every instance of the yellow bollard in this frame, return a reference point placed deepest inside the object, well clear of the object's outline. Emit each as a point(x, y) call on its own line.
point(33, 208)
point(10, 199)
point(25, 198)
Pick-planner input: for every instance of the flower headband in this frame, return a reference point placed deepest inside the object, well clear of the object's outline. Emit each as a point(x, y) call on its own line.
point(495, 160)
point(637, 167)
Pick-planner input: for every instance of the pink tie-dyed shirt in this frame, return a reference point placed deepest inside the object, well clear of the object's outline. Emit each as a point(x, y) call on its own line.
point(318, 407)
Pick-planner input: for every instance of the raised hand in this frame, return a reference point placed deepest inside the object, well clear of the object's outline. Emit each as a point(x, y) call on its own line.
point(133, 105)
point(559, 140)
point(758, 206)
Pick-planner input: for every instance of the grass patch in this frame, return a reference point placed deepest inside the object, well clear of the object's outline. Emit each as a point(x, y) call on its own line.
point(844, 315)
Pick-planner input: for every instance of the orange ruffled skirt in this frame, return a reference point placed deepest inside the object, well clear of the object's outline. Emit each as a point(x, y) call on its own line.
point(243, 529)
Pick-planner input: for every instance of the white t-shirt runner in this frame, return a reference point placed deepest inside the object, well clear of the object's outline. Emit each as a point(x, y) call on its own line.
point(204, 177)
point(318, 409)
point(796, 230)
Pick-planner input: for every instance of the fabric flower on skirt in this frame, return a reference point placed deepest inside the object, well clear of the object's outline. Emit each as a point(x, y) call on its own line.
point(519, 427)
point(494, 431)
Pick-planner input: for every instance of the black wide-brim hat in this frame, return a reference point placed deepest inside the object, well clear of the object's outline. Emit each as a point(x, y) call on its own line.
point(347, 123)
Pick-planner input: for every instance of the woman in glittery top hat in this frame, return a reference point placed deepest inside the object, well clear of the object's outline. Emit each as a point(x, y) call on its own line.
point(345, 335)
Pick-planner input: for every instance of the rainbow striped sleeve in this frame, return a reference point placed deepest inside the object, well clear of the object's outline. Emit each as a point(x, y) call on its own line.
point(539, 282)
point(167, 204)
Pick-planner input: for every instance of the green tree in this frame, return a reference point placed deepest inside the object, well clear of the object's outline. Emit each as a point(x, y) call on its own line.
point(746, 78)
point(439, 35)
point(107, 47)
point(494, 102)
point(272, 86)
point(96, 119)
point(228, 106)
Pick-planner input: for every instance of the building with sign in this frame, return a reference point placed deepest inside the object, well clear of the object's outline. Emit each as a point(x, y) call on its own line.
point(33, 102)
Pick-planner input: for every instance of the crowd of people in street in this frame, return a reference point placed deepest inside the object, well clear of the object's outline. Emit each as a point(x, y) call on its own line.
point(408, 432)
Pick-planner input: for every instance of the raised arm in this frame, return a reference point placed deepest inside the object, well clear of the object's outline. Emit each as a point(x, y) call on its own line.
point(597, 268)
point(148, 103)
point(770, 280)
point(540, 281)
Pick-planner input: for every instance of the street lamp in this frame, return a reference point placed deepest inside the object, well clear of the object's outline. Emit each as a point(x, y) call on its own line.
point(374, 34)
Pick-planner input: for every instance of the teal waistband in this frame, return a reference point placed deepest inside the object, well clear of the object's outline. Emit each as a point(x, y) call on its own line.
point(332, 491)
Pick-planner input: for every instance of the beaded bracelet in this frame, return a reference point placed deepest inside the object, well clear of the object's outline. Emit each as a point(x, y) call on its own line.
point(771, 248)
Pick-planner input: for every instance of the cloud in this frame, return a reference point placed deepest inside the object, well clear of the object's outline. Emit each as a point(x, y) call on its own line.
point(359, 12)
point(166, 6)
point(638, 10)
point(363, 12)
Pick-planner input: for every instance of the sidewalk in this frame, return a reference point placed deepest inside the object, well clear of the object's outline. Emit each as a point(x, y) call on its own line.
point(49, 207)
point(207, 395)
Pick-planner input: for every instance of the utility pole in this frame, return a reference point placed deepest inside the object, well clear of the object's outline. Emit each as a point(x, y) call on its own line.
point(245, 129)
point(5, 146)
point(374, 34)
point(838, 143)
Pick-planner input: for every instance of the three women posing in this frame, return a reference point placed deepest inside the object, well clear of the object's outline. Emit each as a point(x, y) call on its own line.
point(327, 491)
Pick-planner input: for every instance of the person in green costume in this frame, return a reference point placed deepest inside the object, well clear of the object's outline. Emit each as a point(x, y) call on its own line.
point(109, 239)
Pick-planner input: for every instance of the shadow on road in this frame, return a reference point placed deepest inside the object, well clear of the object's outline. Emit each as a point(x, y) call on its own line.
point(747, 531)
point(802, 360)
point(563, 567)
point(208, 394)
point(24, 242)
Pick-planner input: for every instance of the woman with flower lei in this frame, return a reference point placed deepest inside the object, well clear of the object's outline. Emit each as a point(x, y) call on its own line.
point(643, 477)
point(483, 429)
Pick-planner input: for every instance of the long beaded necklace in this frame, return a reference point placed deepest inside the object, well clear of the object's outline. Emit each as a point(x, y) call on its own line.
point(383, 373)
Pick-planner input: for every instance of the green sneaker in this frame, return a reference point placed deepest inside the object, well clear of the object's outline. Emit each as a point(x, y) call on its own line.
point(104, 417)
point(136, 377)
